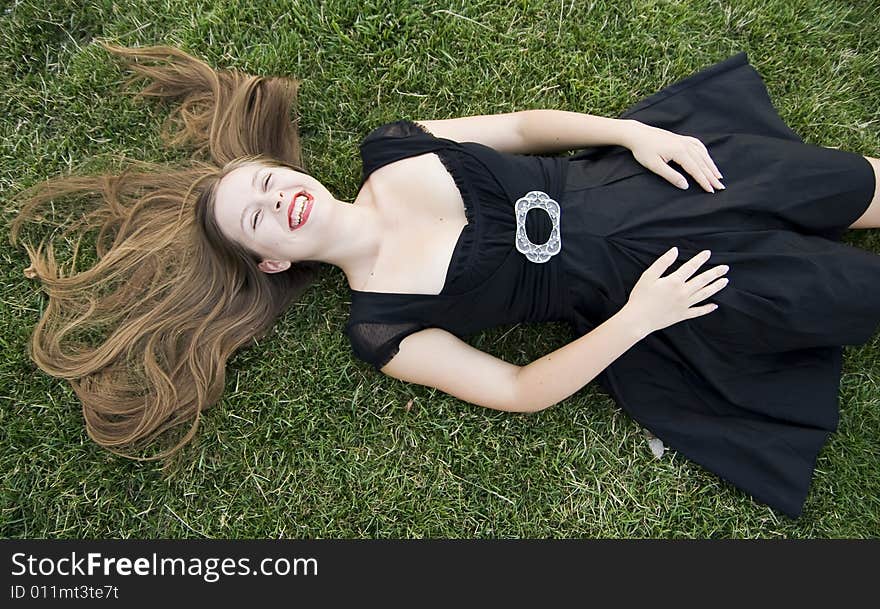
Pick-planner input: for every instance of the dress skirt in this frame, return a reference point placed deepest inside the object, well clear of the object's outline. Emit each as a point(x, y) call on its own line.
point(749, 391)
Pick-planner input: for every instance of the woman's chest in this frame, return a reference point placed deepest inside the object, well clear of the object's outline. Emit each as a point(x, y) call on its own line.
point(423, 216)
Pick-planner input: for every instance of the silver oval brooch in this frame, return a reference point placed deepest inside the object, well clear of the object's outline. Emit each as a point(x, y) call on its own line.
point(533, 251)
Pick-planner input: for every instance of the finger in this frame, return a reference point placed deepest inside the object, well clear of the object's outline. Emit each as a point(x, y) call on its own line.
point(697, 311)
point(662, 263)
point(666, 172)
point(712, 288)
point(690, 267)
point(705, 153)
point(707, 171)
point(690, 165)
point(713, 166)
point(704, 278)
point(705, 161)
point(709, 161)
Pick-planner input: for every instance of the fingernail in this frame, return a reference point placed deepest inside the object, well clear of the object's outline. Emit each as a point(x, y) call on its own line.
point(683, 185)
point(722, 187)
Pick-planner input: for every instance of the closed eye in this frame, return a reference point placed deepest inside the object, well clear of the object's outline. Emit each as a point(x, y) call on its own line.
point(265, 187)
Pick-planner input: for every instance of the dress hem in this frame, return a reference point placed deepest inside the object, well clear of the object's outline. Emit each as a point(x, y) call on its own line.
point(734, 61)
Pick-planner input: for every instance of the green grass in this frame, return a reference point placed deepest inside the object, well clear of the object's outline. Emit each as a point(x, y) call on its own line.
point(308, 441)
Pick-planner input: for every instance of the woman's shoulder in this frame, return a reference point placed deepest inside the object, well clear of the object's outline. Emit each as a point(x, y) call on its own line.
point(397, 129)
point(394, 141)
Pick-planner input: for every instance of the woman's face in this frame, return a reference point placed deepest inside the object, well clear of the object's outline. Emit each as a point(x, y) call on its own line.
point(275, 212)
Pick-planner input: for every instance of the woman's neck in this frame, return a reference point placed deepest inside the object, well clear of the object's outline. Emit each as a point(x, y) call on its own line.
point(358, 232)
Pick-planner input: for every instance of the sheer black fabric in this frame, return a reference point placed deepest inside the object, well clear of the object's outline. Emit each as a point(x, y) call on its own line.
point(749, 391)
point(377, 343)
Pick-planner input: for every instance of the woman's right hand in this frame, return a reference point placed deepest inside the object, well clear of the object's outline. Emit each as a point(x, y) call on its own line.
point(657, 302)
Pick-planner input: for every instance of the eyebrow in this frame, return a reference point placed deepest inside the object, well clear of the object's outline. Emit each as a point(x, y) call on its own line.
point(241, 222)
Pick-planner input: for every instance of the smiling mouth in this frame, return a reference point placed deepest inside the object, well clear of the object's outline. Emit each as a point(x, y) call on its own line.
point(300, 208)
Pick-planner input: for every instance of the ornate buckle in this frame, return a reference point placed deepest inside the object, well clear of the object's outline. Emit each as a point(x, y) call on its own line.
point(533, 251)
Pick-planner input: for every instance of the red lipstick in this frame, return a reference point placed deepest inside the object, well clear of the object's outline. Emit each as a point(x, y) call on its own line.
point(307, 209)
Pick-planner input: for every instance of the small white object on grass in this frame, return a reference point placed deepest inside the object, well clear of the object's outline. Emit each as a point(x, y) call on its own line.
point(655, 444)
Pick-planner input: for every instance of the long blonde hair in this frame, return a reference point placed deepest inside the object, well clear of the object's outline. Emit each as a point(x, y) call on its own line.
point(144, 334)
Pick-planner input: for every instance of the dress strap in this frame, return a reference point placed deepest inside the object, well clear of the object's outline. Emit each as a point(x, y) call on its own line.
point(394, 141)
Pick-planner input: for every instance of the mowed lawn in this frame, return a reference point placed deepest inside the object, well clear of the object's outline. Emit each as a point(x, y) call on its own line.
point(308, 441)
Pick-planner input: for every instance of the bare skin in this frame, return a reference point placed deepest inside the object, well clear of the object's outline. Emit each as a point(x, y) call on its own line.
point(417, 244)
point(871, 217)
point(381, 241)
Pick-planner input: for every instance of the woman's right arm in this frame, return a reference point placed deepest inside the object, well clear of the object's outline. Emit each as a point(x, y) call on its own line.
point(552, 378)
point(436, 358)
point(654, 303)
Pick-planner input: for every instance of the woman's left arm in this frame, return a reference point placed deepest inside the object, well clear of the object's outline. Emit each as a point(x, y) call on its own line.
point(543, 131)
point(535, 131)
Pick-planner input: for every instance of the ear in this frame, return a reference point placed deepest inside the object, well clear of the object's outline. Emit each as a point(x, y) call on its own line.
point(274, 266)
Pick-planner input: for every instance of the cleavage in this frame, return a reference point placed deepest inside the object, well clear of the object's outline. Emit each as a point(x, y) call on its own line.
point(425, 218)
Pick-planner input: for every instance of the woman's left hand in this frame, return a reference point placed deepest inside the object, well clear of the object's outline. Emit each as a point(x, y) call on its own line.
point(654, 148)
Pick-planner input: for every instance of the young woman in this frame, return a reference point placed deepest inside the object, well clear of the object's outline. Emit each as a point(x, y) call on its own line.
point(460, 225)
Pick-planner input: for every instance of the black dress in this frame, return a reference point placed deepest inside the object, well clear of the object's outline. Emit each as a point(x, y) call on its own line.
point(749, 391)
